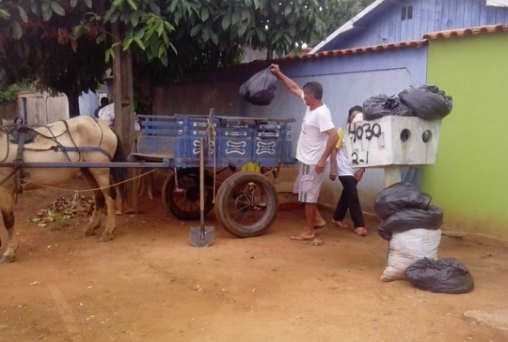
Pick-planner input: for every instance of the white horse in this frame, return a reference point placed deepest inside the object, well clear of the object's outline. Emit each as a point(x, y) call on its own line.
point(80, 139)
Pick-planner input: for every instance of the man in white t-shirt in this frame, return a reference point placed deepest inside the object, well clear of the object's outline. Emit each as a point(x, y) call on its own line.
point(107, 113)
point(315, 143)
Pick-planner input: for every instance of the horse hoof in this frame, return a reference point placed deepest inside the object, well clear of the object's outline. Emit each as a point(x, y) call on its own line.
point(106, 238)
point(7, 259)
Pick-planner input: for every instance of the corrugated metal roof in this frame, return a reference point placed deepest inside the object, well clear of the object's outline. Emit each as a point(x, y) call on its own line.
point(466, 32)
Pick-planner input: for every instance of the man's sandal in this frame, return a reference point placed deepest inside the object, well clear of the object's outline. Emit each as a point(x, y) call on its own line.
point(301, 237)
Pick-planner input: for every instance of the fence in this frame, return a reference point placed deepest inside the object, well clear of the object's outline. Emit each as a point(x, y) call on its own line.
point(41, 108)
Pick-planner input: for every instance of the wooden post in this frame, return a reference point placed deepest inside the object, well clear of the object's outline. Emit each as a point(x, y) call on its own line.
point(123, 93)
point(123, 97)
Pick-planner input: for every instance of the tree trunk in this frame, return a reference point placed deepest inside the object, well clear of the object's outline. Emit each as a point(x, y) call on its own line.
point(123, 94)
point(73, 99)
point(269, 53)
point(123, 97)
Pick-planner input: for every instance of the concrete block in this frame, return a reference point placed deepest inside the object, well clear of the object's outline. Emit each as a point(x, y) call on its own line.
point(393, 140)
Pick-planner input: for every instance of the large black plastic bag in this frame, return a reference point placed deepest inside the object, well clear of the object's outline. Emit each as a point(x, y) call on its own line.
point(411, 218)
point(385, 235)
point(376, 107)
point(427, 102)
point(260, 88)
point(399, 196)
point(442, 276)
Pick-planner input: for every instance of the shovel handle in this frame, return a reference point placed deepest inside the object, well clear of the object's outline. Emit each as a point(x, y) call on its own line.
point(202, 185)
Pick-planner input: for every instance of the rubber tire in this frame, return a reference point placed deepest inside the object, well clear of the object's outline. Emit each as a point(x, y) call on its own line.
point(170, 185)
point(226, 190)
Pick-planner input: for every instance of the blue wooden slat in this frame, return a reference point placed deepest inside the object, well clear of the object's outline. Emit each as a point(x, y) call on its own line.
point(159, 131)
point(159, 124)
point(178, 137)
point(385, 25)
point(437, 14)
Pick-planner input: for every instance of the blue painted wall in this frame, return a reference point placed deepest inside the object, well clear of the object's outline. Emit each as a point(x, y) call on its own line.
point(347, 81)
point(384, 24)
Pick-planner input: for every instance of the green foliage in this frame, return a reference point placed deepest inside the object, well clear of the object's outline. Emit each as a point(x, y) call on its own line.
point(339, 12)
point(67, 44)
point(8, 94)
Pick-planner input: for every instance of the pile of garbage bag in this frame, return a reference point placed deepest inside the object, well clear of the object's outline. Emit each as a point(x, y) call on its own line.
point(426, 102)
point(410, 223)
point(402, 207)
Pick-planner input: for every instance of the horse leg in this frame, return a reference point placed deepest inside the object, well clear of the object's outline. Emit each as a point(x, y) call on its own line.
point(109, 194)
point(10, 253)
point(95, 220)
point(149, 185)
point(119, 201)
point(145, 184)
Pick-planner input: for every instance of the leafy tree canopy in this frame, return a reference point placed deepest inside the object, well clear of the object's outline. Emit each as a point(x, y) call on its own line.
point(66, 45)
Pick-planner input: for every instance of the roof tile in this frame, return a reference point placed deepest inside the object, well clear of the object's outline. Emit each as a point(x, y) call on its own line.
point(397, 45)
point(466, 32)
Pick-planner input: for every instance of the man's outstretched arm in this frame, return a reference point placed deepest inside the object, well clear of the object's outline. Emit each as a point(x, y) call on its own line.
point(289, 83)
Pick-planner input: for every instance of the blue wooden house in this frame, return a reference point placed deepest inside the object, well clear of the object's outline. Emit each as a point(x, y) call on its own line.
point(389, 21)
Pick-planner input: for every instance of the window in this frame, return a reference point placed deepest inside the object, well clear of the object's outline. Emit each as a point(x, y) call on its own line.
point(406, 13)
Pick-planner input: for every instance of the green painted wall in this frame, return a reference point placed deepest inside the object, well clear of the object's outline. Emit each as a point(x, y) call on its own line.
point(470, 178)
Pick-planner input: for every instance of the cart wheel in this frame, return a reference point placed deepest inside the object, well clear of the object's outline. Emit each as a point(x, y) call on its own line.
point(246, 204)
point(184, 201)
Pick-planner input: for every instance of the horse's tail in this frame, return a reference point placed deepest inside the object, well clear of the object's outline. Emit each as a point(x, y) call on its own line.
point(119, 174)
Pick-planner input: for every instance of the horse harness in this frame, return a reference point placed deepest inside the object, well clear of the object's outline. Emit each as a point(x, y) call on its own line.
point(21, 134)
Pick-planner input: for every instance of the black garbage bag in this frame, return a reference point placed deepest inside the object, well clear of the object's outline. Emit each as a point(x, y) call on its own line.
point(412, 218)
point(260, 88)
point(385, 235)
point(441, 276)
point(427, 102)
point(399, 196)
point(376, 107)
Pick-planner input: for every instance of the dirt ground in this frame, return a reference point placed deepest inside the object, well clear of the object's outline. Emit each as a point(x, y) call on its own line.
point(149, 284)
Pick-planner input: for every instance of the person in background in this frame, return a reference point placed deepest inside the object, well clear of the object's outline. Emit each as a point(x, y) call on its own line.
point(107, 113)
point(316, 141)
point(349, 177)
point(104, 102)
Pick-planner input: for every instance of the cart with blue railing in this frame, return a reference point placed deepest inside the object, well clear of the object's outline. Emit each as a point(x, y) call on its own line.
point(245, 149)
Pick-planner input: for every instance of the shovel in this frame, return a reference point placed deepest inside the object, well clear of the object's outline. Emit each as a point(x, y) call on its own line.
point(202, 236)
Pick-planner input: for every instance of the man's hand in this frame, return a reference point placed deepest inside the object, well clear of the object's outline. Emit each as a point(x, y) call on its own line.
point(359, 174)
point(320, 166)
point(332, 175)
point(275, 69)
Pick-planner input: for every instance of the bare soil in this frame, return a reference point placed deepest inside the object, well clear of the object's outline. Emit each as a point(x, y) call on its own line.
point(149, 284)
